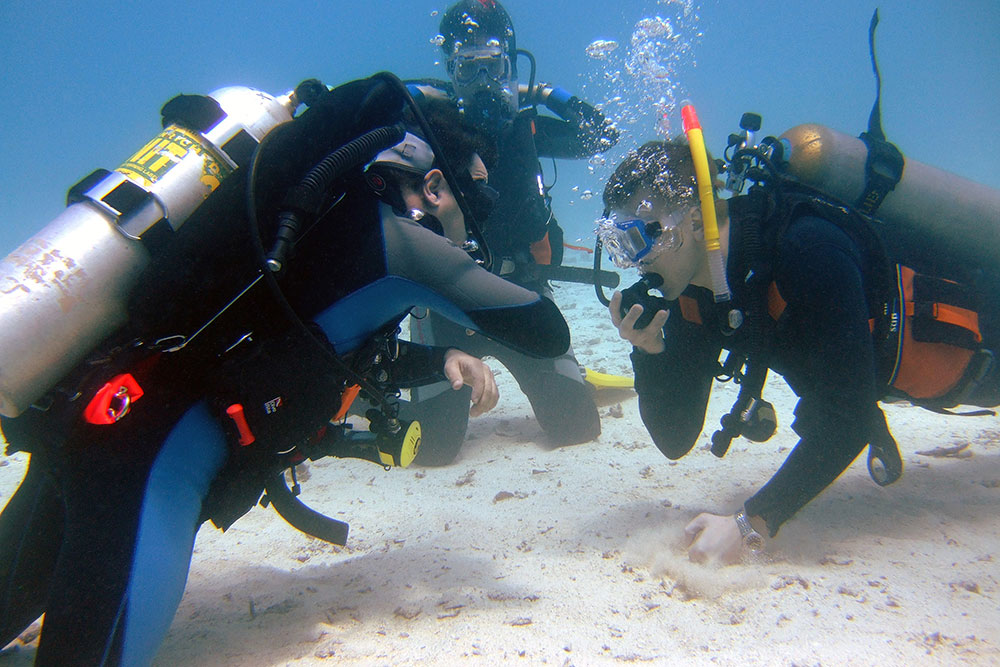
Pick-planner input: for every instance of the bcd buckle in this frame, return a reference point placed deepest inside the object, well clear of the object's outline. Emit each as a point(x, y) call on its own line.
point(113, 401)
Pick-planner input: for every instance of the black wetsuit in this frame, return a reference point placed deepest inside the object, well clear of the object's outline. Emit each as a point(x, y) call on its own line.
point(99, 536)
point(561, 401)
point(822, 346)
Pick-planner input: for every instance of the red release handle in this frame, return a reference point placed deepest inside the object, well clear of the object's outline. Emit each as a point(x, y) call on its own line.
point(235, 412)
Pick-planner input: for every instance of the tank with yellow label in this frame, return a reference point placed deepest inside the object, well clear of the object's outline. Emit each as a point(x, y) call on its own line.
point(66, 288)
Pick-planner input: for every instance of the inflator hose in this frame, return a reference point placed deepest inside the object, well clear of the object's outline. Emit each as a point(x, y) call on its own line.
point(305, 198)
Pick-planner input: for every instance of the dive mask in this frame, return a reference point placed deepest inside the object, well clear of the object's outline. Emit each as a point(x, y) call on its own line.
point(490, 63)
point(630, 241)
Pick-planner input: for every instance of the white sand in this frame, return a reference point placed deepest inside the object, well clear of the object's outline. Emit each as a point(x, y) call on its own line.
point(525, 554)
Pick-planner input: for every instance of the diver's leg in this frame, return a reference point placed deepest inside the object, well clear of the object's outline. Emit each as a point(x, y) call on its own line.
point(103, 476)
point(443, 412)
point(444, 420)
point(191, 457)
point(102, 495)
point(31, 531)
point(562, 402)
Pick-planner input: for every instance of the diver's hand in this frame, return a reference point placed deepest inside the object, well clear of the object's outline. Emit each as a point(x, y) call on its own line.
point(464, 369)
point(713, 538)
point(649, 339)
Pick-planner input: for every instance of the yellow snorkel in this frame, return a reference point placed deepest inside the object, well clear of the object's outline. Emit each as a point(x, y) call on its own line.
point(703, 177)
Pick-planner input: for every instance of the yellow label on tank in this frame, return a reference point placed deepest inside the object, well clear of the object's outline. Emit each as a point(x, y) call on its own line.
point(169, 148)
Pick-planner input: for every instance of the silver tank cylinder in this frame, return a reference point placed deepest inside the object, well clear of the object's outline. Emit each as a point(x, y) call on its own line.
point(931, 212)
point(66, 288)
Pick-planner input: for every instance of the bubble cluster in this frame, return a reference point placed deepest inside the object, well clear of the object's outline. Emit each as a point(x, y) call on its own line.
point(638, 81)
point(601, 49)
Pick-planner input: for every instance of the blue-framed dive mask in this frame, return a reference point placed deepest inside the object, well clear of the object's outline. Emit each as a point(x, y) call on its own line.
point(631, 241)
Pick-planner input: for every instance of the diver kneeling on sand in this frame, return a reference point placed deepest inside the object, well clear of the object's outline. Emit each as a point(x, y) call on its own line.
point(250, 320)
point(848, 308)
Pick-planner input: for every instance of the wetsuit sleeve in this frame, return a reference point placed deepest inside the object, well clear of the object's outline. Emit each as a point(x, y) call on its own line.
point(463, 291)
point(418, 365)
point(833, 366)
point(580, 131)
point(674, 386)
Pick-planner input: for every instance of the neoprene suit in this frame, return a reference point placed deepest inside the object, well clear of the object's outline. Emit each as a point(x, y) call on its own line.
point(822, 347)
point(561, 401)
point(99, 536)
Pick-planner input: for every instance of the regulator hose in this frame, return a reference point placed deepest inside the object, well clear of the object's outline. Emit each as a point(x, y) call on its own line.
point(305, 197)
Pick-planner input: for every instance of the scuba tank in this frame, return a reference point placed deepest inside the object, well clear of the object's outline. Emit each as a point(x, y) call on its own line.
point(67, 287)
point(931, 214)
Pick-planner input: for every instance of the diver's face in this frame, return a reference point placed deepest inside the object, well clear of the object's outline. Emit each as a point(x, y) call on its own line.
point(450, 213)
point(484, 82)
point(436, 198)
point(677, 253)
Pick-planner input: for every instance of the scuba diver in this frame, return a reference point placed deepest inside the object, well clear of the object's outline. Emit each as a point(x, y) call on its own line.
point(844, 300)
point(237, 332)
point(527, 242)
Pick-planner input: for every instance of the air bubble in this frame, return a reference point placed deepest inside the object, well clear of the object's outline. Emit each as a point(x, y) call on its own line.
point(602, 48)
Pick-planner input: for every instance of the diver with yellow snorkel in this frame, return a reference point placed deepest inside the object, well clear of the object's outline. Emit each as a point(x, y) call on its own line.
point(855, 274)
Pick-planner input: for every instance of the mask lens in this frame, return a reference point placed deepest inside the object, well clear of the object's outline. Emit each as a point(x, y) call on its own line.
point(466, 68)
point(627, 241)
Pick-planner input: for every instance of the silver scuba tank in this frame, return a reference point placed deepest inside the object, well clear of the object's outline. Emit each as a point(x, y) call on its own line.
point(931, 213)
point(66, 288)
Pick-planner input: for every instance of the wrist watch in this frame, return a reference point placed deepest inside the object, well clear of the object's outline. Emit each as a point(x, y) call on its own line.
point(752, 541)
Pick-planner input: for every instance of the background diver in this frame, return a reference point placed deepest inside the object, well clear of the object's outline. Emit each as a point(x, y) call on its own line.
point(482, 61)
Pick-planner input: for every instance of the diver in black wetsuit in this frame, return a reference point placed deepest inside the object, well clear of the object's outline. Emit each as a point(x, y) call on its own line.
point(825, 300)
point(479, 45)
point(100, 534)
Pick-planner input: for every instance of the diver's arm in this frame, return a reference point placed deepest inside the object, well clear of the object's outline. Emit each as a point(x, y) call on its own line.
point(823, 286)
point(468, 294)
point(581, 130)
point(674, 386)
point(417, 365)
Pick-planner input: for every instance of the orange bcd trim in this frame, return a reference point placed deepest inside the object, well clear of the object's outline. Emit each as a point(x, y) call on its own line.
point(346, 400)
point(541, 250)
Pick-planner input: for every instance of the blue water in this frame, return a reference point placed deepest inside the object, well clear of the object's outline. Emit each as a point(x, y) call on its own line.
point(83, 82)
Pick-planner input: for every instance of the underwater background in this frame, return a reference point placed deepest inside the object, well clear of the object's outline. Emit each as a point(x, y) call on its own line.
point(83, 82)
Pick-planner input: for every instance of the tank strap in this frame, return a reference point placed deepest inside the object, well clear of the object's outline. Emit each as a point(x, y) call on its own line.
point(884, 164)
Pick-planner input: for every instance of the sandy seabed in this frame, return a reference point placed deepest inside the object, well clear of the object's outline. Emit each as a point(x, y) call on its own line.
point(523, 553)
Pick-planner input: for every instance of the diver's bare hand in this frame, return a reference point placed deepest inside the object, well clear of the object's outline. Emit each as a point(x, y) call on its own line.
point(464, 369)
point(714, 539)
point(648, 339)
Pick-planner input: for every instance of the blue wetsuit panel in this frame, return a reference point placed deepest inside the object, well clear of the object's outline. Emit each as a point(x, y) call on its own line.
point(190, 458)
point(353, 319)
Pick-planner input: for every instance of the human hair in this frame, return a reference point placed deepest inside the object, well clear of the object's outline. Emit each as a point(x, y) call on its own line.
point(459, 142)
point(663, 168)
point(459, 139)
point(477, 22)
